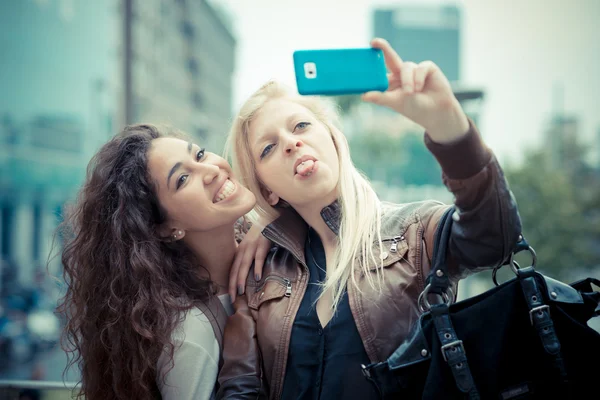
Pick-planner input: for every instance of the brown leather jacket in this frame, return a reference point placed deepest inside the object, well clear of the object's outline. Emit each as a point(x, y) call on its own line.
point(486, 228)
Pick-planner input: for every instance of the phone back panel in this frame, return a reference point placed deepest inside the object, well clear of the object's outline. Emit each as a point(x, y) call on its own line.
point(340, 71)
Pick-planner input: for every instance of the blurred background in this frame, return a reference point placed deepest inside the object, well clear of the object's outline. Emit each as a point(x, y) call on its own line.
point(73, 72)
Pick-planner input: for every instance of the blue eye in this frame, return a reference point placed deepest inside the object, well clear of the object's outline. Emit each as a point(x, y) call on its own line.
point(266, 151)
point(301, 125)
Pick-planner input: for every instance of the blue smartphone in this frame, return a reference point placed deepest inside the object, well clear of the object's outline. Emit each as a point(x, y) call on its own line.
point(340, 71)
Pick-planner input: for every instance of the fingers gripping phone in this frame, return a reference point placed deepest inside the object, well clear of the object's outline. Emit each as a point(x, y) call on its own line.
point(340, 71)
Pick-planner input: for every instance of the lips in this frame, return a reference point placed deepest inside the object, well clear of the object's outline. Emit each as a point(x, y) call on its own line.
point(224, 191)
point(301, 160)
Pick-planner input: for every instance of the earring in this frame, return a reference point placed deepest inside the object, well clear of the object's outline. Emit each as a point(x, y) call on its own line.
point(179, 233)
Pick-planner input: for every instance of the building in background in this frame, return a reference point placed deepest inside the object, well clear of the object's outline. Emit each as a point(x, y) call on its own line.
point(54, 111)
point(562, 144)
point(423, 32)
point(72, 74)
point(471, 99)
point(563, 147)
point(178, 59)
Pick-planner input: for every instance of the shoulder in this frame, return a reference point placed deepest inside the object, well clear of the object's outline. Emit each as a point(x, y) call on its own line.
point(397, 218)
point(192, 372)
point(194, 337)
point(195, 329)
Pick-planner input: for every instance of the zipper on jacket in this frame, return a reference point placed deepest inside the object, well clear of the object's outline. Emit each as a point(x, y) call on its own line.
point(394, 247)
point(285, 281)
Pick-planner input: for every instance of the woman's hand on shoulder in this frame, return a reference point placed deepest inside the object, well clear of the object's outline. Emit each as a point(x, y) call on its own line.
point(253, 247)
point(422, 93)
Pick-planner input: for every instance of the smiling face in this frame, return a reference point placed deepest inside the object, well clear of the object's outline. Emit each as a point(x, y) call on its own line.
point(195, 187)
point(294, 154)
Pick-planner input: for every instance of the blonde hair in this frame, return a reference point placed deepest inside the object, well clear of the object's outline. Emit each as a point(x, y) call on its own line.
point(360, 224)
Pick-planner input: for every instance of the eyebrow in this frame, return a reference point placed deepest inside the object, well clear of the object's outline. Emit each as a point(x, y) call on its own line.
point(177, 166)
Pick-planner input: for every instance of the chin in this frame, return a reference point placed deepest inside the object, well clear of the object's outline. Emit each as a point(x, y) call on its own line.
point(248, 202)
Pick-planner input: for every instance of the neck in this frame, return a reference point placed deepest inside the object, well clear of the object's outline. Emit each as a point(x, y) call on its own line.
point(311, 213)
point(214, 250)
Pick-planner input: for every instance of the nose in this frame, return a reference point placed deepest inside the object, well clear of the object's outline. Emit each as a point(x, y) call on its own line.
point(210, 172)
point(292, 145)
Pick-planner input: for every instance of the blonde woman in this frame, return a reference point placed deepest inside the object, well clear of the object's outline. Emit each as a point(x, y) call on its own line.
point(340, 287)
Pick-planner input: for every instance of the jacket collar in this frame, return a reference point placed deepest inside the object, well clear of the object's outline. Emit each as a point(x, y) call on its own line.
point(289, 231)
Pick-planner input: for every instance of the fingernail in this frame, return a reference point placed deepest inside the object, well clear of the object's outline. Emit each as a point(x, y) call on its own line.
point(240, 290)
point(257, 277)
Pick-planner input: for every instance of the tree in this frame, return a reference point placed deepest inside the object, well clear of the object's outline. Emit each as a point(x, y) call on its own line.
point(556, 216)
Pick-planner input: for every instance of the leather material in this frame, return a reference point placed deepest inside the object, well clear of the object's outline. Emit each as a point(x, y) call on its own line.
point(453, 351)
point(561, 292)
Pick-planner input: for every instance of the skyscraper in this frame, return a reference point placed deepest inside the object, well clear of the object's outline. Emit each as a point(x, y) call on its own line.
point(178, 66)
point(423, 32)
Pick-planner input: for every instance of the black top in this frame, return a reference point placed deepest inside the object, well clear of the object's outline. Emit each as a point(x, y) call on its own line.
point(324, 362)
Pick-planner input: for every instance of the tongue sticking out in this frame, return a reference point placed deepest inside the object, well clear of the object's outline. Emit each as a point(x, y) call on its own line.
point(305, 168)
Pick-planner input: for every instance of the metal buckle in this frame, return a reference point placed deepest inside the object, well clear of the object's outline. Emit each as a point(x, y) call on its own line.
point(515, 265)
point(456, 343)
point(423, 302)
point(540, 309)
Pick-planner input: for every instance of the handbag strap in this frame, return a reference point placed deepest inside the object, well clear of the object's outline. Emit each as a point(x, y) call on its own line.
point(438, 279)
point(438, 282)
point(214, 310)
point(541, 320)
point(453, 351)
point(585, 286)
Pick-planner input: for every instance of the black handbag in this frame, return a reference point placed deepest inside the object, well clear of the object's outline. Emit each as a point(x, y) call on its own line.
point(527, 338)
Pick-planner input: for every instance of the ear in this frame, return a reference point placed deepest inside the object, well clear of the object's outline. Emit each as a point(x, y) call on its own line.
point(177, 234)
point(171, 234)
point(271, 197)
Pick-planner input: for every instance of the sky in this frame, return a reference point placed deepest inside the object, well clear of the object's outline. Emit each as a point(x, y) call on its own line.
point(516, 50)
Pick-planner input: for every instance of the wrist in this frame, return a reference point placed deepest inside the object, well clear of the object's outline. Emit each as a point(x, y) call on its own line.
point(450, 126)
point(463, 158)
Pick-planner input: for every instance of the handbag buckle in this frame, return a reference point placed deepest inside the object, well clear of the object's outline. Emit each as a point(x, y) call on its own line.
point(539, 309)
point(423, 301)
point(456, 343)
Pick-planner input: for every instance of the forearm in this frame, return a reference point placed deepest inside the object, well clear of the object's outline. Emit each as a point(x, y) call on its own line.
point(486, 223)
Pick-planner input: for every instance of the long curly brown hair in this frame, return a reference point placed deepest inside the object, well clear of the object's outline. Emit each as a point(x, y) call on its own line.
point(127, 287)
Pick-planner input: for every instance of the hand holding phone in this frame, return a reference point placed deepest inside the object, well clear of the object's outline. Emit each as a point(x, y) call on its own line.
point(421, 92)
point(340, 71)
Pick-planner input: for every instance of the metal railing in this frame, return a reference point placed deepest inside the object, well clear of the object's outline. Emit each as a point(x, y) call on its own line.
point(43, 390)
